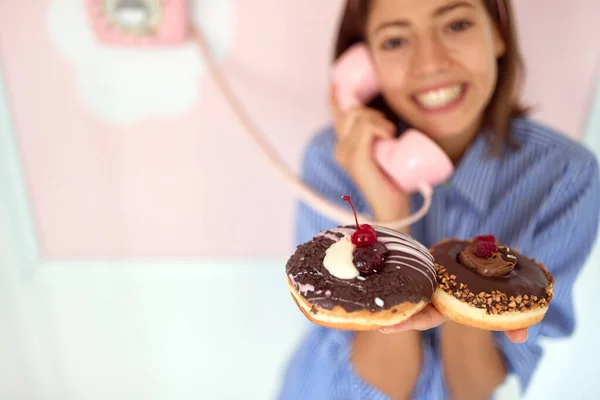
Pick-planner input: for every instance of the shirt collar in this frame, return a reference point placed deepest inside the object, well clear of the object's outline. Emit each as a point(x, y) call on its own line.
point(473, 179)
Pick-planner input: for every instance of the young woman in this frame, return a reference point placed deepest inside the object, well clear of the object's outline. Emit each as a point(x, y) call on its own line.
point(450, 68)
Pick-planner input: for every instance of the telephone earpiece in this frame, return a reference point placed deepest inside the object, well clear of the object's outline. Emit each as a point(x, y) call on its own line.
point(354, 77)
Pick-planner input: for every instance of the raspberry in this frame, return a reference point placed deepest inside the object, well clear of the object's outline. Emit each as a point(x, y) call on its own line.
point(486, 238)
point(369, 258)
point(484, 249)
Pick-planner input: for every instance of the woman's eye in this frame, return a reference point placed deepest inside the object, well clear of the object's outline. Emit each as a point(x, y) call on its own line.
point(459, 26)
point(393, 43)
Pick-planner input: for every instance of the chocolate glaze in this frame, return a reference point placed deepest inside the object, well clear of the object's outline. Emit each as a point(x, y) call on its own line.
point(390, 284)
point(528, 278)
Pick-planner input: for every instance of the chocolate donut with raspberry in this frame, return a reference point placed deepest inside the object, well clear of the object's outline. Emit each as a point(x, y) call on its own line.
point(361, 277)
point(487, 285)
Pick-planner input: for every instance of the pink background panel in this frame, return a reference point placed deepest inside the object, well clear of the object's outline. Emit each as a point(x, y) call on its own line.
point(192, 184)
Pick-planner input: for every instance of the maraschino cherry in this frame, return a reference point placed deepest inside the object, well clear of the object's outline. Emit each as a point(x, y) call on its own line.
point(365, 234)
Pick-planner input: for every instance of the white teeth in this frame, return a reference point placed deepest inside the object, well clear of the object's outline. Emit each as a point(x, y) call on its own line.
point(439, 97)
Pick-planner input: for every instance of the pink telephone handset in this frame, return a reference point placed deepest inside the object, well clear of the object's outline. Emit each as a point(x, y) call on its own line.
point(414, 162)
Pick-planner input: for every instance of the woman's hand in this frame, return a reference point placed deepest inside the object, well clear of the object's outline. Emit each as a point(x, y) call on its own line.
point(518, 336)
point(357, 130)
point(429, 318)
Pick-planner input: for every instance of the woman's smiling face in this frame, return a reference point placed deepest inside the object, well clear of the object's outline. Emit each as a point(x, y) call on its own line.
point(436, 60)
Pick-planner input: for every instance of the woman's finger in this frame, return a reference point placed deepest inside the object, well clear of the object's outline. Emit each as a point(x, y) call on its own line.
point(374, 131)
point(426, 319)
point(380, 119)
point(518, 336)
point(361, 125)
point(368, 125)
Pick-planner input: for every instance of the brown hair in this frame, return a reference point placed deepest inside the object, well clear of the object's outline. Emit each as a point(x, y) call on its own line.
point(504, 104)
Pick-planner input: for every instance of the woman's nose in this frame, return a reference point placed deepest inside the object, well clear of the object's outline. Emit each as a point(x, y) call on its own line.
point(430, 57)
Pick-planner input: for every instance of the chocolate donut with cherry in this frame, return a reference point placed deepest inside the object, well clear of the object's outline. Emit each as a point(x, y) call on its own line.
point(487, 285)
point(361, 277)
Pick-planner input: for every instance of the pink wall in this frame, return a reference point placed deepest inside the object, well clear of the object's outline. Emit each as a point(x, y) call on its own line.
point(135, 154)
point(561, 46)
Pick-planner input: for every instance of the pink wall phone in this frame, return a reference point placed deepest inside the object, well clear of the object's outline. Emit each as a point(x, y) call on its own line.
point(139, 22)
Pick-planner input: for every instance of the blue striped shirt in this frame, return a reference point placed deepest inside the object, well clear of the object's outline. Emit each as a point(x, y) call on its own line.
point(543, 198)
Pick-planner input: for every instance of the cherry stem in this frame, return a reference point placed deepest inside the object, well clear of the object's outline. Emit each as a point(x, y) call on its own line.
point(347, 198)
